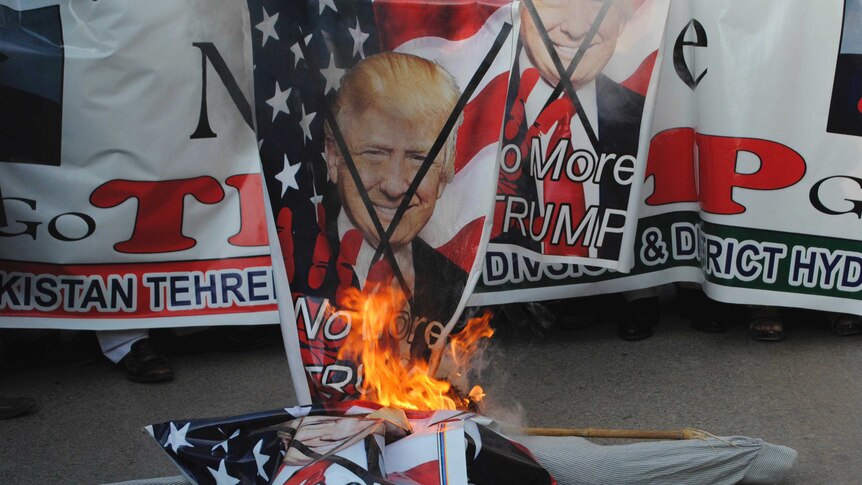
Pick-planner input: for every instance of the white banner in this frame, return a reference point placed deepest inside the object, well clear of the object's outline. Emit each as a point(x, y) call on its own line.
point(753, 180)
point(130, 184)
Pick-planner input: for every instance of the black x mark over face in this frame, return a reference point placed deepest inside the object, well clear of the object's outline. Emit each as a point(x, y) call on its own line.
point(387, 151)
point(446, 131)
point(431, 156)
point(569, 37)
point(574, 29)
point(373, 213)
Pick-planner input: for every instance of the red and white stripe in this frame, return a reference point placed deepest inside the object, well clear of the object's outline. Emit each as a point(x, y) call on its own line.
point(457, 35)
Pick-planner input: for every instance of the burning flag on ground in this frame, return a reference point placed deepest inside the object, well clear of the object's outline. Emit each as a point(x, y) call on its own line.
point(431, 435)
point(423, 430)
point(359, 442)
point(389, 446)
point(365, 443)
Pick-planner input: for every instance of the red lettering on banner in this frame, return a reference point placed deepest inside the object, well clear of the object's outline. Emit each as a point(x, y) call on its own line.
point(252, 229)
point(780, 167)
point(671, 163)
point(159, 222)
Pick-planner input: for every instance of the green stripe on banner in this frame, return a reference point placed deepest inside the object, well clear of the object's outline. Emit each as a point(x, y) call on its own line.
point(781, 261)
point(729, 256)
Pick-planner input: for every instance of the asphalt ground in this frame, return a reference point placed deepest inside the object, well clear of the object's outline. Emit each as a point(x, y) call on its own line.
point(804, 392)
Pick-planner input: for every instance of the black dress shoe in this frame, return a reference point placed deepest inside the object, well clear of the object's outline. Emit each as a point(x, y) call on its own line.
point(145, 364)
point(843, 324)
point(640, 317)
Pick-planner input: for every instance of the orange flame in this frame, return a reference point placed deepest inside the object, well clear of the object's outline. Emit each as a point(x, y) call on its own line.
point(389, 378)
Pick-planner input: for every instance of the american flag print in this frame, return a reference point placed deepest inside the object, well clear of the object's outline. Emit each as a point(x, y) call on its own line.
point(302, 50)
point(444, 447)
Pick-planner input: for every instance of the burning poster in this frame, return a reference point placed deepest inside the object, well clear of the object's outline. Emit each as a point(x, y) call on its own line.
point(130, 185)
point(379, 126)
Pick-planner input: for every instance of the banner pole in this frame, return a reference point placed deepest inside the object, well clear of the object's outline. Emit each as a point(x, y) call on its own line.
point(646, 434)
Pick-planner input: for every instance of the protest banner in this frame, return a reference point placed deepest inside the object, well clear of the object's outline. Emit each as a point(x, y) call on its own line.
point(737, 154)
point(518, 275)
point(379, 126)
point(130, 185)
point(781, 227)
point(575, 139)
point(753, 179)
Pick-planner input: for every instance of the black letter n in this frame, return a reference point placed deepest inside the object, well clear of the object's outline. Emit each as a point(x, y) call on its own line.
point(208, 51)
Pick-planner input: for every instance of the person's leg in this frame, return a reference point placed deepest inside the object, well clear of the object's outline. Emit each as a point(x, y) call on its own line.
point(765, 323)
point(642, 313)
point(116, 344)
point(843, 324)
point(704, 313)
point(11, 407)
point(133, 349)
point(73, 348)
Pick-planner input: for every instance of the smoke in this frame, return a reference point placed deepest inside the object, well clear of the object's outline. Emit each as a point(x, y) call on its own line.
point(510, 416)
point(493, 372)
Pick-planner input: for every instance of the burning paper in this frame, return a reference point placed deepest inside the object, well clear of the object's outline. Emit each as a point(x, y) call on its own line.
point(441, 447)
point(393, 373)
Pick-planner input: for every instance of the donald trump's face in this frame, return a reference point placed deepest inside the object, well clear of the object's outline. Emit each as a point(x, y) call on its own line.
point(567, 23)
point(390, 109)
point(388, 152)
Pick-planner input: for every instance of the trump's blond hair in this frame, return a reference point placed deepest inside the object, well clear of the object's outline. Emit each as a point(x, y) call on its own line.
point(405, 87)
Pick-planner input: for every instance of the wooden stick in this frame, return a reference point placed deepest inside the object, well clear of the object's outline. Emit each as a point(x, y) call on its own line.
point(646, 434)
